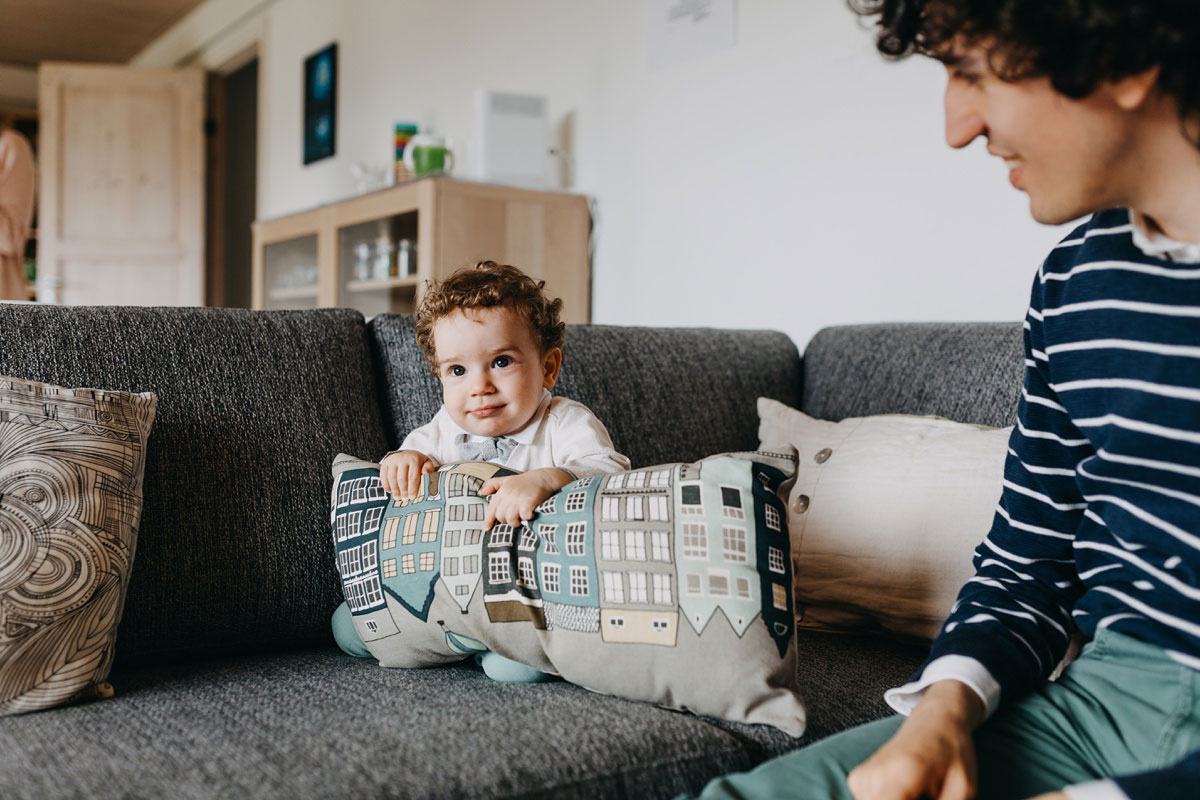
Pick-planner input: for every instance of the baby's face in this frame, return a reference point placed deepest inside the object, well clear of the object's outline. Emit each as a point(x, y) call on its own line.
point(492, 370)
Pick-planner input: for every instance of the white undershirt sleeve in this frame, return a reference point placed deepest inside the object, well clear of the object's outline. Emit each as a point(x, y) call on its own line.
point(1095, 790)
point(903, 699)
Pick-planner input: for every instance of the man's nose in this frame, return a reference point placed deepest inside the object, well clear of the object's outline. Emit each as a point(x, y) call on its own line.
point(963, 119)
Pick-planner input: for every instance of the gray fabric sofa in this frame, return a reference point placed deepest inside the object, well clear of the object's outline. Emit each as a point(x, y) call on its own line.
point(227, 680)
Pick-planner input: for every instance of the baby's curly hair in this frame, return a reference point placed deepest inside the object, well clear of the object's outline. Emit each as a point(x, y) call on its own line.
point(487, 284)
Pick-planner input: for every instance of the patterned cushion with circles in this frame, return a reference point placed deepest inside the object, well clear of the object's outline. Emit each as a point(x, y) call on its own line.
point(71, 465)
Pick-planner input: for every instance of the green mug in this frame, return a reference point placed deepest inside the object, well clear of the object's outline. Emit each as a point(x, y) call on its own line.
point(427, 154)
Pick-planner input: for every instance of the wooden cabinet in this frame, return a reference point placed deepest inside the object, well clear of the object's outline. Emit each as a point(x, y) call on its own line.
point(376, 251)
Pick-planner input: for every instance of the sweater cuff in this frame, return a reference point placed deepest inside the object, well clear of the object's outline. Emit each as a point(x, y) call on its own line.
point(903, 699)
point(1095, 790)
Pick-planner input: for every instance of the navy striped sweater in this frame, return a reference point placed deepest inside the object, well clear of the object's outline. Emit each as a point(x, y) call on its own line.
point(1099, 522)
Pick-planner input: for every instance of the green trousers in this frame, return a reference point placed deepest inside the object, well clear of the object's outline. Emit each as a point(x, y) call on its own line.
point(1122, 707)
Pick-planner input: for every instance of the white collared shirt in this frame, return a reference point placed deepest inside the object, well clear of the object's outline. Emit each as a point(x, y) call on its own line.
point(562, 433)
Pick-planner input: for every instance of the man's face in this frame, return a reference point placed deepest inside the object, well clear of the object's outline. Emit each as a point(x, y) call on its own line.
point(1065, 154)
point(492, 370)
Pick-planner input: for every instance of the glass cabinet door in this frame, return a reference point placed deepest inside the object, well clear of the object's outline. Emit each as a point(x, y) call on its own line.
point(290, 269)
point(377, 265)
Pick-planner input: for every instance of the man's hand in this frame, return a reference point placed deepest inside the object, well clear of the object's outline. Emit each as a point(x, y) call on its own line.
point(514, 497)
point(1051, 796)
point(932, 753)
point(401, 473)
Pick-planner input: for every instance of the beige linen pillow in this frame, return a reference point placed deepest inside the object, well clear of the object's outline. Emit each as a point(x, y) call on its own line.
point(71, 464)
point(885, 514)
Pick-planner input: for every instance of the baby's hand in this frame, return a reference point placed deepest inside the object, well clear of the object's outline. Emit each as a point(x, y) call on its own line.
point(401, 472)
point(514, 497)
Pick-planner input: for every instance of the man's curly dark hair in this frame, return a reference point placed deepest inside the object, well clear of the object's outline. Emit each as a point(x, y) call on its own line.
point(490, 285)
point(1076, 44)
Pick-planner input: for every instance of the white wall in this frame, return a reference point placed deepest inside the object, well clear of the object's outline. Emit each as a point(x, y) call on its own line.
point(792, 182)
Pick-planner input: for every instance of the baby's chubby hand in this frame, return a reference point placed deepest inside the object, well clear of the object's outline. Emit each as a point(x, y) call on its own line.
point(514, 497)
point(401, 472)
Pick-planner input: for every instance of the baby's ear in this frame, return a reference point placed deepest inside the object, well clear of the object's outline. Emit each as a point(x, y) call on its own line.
point(551, 364)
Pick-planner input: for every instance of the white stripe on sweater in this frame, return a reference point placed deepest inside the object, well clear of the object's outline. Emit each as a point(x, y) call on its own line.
point(1182, 350)
point(1170, 620)
point(1126, 228)
point(1192, 592)
point(1025, 526)
point(1130, 266)
point(1167, 466)
point(1149, 428)
point(1136, 306)
point(1189, 539)
point(1161, 389)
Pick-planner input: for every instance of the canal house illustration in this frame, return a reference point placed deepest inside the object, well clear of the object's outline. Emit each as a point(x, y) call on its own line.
point(511, 591)
point(720, 548)
point(462, 530)
point(625, 555)
point(565, 558)
point(636, 559)
point(358, 509)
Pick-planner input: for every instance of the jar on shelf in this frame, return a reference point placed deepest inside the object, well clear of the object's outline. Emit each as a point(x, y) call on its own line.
point(406, 259)
point(384, 264)
point(362, 261)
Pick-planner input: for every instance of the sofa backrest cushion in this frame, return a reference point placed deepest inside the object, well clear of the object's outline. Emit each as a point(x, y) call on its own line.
point(234, 552)
point(969, 372)
point(665, 394)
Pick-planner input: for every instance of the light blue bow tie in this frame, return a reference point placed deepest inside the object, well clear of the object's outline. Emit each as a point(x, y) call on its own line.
point(497, 449)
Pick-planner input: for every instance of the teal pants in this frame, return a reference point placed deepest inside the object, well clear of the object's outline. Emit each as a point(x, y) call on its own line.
point(1122, 707)
point(495, 666)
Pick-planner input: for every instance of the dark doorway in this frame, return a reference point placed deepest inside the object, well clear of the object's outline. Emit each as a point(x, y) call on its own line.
point(233, 169)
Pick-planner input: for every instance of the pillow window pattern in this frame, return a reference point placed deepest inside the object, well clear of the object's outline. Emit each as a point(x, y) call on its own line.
point(690, 559)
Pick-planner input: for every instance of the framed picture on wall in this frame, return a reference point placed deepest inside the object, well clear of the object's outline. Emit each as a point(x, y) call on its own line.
point(320, 104)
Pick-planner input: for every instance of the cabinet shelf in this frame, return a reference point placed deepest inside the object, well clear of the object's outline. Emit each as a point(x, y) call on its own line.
point(381, 285)
point(293, 293)
point(446, 223)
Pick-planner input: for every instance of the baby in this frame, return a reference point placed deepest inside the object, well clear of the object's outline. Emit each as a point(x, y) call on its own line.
point(495, 341)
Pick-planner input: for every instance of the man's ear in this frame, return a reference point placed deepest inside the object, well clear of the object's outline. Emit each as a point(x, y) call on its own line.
point(551, 364)
point(1131, 92)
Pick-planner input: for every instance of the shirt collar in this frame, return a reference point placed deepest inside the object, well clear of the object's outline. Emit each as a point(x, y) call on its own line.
point(523, 436)
point(1153, 242)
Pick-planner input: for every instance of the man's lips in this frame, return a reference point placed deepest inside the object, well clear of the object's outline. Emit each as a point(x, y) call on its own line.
point(1016, 171)
point(486, 411)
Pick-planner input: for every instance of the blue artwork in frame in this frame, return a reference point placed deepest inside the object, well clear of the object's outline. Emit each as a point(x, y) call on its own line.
point(320, 104)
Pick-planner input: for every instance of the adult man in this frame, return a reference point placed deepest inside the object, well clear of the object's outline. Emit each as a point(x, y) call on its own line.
point(1095, 107)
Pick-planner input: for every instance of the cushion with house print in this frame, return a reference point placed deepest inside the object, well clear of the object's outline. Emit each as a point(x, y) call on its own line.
point(621, 583)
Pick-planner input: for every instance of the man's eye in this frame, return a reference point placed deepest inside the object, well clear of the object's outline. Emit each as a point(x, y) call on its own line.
point(969, 78)
point(501, 362)
point(457, 371)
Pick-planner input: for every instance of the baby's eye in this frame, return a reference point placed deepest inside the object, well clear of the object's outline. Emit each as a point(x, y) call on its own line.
point(501, 362)
point(457, 371)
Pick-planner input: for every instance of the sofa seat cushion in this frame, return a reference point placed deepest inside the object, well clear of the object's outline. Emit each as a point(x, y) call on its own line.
point(842, 677)
point(319, 724)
